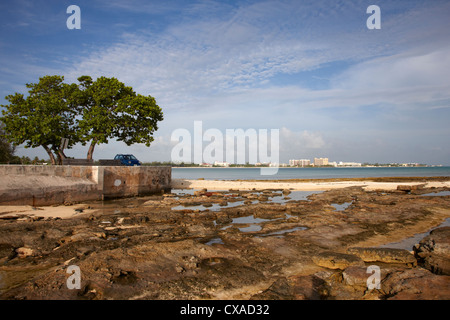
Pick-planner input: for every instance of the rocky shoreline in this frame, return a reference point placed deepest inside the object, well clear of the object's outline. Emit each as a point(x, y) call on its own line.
point(237, 244)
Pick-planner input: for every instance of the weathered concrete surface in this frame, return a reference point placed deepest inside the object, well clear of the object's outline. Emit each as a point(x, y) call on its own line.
point(48, 185)
point(36, 190)
point(123, 181)
point(226, 245)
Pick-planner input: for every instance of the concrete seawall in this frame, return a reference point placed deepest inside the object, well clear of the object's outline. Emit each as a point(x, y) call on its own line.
point(48, 185)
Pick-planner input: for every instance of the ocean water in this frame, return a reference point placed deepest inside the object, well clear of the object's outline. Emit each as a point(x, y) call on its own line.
point(307, 173)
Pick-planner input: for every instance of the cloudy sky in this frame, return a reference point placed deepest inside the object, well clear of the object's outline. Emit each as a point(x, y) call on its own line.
point(311, 69)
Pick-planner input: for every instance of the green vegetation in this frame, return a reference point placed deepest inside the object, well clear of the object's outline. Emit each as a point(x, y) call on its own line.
point(170, 164)
point(6, 149)
point(89, 112)
point(184, 164)
point(366, 164)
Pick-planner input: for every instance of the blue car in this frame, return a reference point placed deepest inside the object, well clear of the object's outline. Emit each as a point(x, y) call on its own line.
point(127, 160)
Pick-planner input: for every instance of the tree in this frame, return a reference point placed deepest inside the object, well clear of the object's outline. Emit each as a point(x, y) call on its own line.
point(6, 149)
point(43, 118)
point(112, 110)
point(89, 112)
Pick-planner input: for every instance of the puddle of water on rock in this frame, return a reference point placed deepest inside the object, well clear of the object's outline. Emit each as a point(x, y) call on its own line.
point(251, 228)
point(251, 220)
point(214, 207)
point(254, 224)
point(217, 240)
point(341, 207)
point(182, 192)
point(278, 198)
point(437, 194)
point(281, 233)
point(294, 195)
point(409, 243)
point(200, 207)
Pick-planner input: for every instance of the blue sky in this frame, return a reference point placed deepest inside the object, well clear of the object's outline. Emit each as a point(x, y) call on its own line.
point(311, 69)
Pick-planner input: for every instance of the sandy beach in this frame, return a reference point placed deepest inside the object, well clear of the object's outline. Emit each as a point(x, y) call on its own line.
point(70, 211)
point(367, 185)
point(62, 212)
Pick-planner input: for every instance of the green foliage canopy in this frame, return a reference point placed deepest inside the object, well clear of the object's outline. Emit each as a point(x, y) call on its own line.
point(91, 111)
point(43, 118)
point(6, 149)
point(112, 110)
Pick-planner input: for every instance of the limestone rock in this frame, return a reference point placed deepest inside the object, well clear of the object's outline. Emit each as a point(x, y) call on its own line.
point(387, 255)
point(355, 276)
point(433, 251)
point(278, 290)
point(223, 218)
point(6, 252)
point(416, 284)
point(24, 252)
point(263, 198)
point(335, 260)
point(307, 287)
point(409, 188)
point(200, 192)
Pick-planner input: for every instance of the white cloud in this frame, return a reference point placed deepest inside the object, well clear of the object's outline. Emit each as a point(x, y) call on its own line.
point(300, 141)
point(200, 57)
point(218, 63)
point(198, 61)
point(401, 79)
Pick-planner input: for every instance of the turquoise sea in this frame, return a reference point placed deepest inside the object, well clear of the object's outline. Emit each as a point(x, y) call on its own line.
point(307, 173)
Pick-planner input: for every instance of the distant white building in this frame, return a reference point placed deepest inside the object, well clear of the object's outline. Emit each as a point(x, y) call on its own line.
point(349, 164)
point(206, 165)
point(299, 163)
point(320, 161)
point(410, 164)
point(221, 164)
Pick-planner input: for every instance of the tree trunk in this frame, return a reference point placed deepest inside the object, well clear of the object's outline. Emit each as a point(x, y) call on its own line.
point(50, 154)
point(91, 149)
point(61, 156)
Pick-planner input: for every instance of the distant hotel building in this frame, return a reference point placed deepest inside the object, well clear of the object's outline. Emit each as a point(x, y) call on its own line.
point(349, 164)
point(221, 164)
point(299, 163)
point(320, 161)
